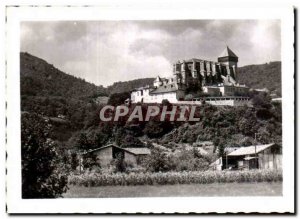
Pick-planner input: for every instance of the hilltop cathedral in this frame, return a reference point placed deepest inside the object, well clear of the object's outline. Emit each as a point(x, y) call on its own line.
point(215, 80)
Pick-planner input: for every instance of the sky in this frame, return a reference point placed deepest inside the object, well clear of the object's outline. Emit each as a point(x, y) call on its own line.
point(104, 52)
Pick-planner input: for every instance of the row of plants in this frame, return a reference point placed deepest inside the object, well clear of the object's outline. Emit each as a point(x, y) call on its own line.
point(170, 178)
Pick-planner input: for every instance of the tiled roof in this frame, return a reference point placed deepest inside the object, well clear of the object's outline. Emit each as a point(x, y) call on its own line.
point(139, 151)
point(250, 150)
point(165, 89)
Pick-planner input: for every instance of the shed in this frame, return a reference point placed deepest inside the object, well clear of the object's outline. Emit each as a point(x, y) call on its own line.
point(267, 156)
point(104, 155)
point(140, 153)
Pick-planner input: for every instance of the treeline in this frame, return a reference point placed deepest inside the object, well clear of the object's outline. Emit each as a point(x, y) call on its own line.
point(127, 86)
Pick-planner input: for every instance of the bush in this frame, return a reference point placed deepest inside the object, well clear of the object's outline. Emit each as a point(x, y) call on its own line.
point(158, 161)
point(189, 97)
point(117, 99)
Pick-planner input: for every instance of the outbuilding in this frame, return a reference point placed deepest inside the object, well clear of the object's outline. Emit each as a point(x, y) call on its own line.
point(104, 155)
point(267, 156)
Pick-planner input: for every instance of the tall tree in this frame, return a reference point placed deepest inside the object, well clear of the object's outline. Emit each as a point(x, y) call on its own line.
point(42, 173)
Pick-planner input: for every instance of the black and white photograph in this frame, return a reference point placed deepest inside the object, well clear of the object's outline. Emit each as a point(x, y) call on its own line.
point(145, 109)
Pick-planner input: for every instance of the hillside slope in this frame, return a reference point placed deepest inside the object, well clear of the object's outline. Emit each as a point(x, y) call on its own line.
point(39, 78)
point(67, 101)
point(262, 76)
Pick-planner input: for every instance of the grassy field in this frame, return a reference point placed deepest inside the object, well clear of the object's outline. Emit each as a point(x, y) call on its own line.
point(183, 190)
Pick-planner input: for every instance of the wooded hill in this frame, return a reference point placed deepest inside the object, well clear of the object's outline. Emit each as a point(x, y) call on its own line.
point(262, 76)
point(69, 104)
point(39, 78)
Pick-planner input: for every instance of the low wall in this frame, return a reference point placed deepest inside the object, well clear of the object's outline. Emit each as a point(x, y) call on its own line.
point(231, 102)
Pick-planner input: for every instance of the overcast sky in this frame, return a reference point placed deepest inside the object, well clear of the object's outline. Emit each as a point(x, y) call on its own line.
point(103, 52)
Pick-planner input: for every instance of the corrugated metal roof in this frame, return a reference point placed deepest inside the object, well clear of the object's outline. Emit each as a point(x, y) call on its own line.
point(250, 150)
point(139, 151)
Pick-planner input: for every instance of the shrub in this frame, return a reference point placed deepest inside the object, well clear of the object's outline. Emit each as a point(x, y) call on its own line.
point(158, 161)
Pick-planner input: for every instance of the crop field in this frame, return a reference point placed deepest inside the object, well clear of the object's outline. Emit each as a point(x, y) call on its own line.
point(179, 190)
point(173, 178)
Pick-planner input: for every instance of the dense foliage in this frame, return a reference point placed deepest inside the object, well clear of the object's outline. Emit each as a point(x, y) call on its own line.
point(262, 76)
point(38, 78)
point(43, 174)
point(127, 86)
point(68, 104)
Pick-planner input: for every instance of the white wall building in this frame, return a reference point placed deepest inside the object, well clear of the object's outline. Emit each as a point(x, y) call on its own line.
point(215, 79)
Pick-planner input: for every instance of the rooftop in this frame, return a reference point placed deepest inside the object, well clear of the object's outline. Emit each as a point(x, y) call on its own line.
point(139, 151)
point(227, 53)
point(250, 150)
point(165, 89)
point(135, 151)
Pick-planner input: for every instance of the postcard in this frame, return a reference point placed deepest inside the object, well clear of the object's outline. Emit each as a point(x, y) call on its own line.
point(162, 109)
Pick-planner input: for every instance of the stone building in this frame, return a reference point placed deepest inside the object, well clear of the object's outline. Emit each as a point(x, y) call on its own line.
point(214, 79)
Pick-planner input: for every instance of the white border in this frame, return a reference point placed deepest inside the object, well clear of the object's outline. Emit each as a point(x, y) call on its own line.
point(156, 205)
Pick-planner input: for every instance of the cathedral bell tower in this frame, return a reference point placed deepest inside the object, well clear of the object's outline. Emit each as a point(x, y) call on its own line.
point(230, 59)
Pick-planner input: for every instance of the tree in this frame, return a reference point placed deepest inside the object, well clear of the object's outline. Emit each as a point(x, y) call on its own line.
point(262, 100)
point(117, 99)
point(220, 144)
point(90, 161)
point(131, 141)
point(74, 161)
point(42, 174)
point(166, 102)
point(83, 142)
point(189, 97)
point(153, 129)
point(158, 161)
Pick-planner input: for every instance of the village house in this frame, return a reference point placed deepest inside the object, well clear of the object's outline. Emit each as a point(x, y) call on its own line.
point(104, 155)
point(216, 79)
point(267, 156)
